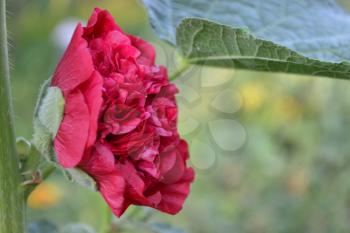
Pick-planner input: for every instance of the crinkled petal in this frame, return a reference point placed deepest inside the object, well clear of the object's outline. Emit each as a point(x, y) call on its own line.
point(76, 65)
point(72, 135)
point(172, 166)
point(148, 53)
point(98, 161)
point(150, 167)
point(134, 184)
point(115, 38)
point(126, 51)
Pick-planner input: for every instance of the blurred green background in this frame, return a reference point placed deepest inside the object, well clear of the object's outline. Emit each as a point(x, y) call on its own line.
point(271, 151)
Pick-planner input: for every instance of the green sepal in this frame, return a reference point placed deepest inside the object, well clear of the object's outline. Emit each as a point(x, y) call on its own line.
point(47, 119)
point(79, 176)
point(51, 110)
point(23, 147)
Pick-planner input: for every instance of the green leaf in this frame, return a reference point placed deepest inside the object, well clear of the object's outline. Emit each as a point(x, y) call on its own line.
point(42, 226)
point(301, 36)
point(77, 228)
point(207, 43)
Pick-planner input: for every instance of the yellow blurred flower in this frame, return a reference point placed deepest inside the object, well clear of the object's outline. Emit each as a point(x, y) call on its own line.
point(44, 196)
point(253, 95)
point(288, 108)
point(298, 182)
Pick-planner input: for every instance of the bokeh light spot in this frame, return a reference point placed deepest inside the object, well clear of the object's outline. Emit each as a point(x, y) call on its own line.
point(227, 101)
point(228, 134)
point(213, 77)
point(202, 155)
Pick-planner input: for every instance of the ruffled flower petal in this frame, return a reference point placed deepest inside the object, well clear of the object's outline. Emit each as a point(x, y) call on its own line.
point(120, 119)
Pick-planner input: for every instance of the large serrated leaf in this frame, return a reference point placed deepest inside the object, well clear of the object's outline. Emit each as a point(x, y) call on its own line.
point(207, 43)
point(310, 32)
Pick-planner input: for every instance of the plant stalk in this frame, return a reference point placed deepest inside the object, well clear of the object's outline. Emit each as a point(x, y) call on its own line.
point(11, 197)
point(107, 219)
point(179, 72)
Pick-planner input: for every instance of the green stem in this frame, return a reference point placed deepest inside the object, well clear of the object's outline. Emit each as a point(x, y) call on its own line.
point(11, 198)
point(45, 173)
point(106, 219)
point(183, 68)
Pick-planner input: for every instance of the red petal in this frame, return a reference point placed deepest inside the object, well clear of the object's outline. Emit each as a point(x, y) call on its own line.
point(126, 51)
point(76, 65)
point(72, 135)
point(172, 164)
point(117, 38)
point(134, 184)
point(174, 195)
point(100, 160)
point(112, 188)
point(99, 24)
point(176, 171)
point(100, 165)
point(92, 90)
point(183, 148)
point(148, 53)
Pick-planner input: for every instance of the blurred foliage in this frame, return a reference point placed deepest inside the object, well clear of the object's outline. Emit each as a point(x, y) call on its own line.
point(288, 173)
point(42, 226)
